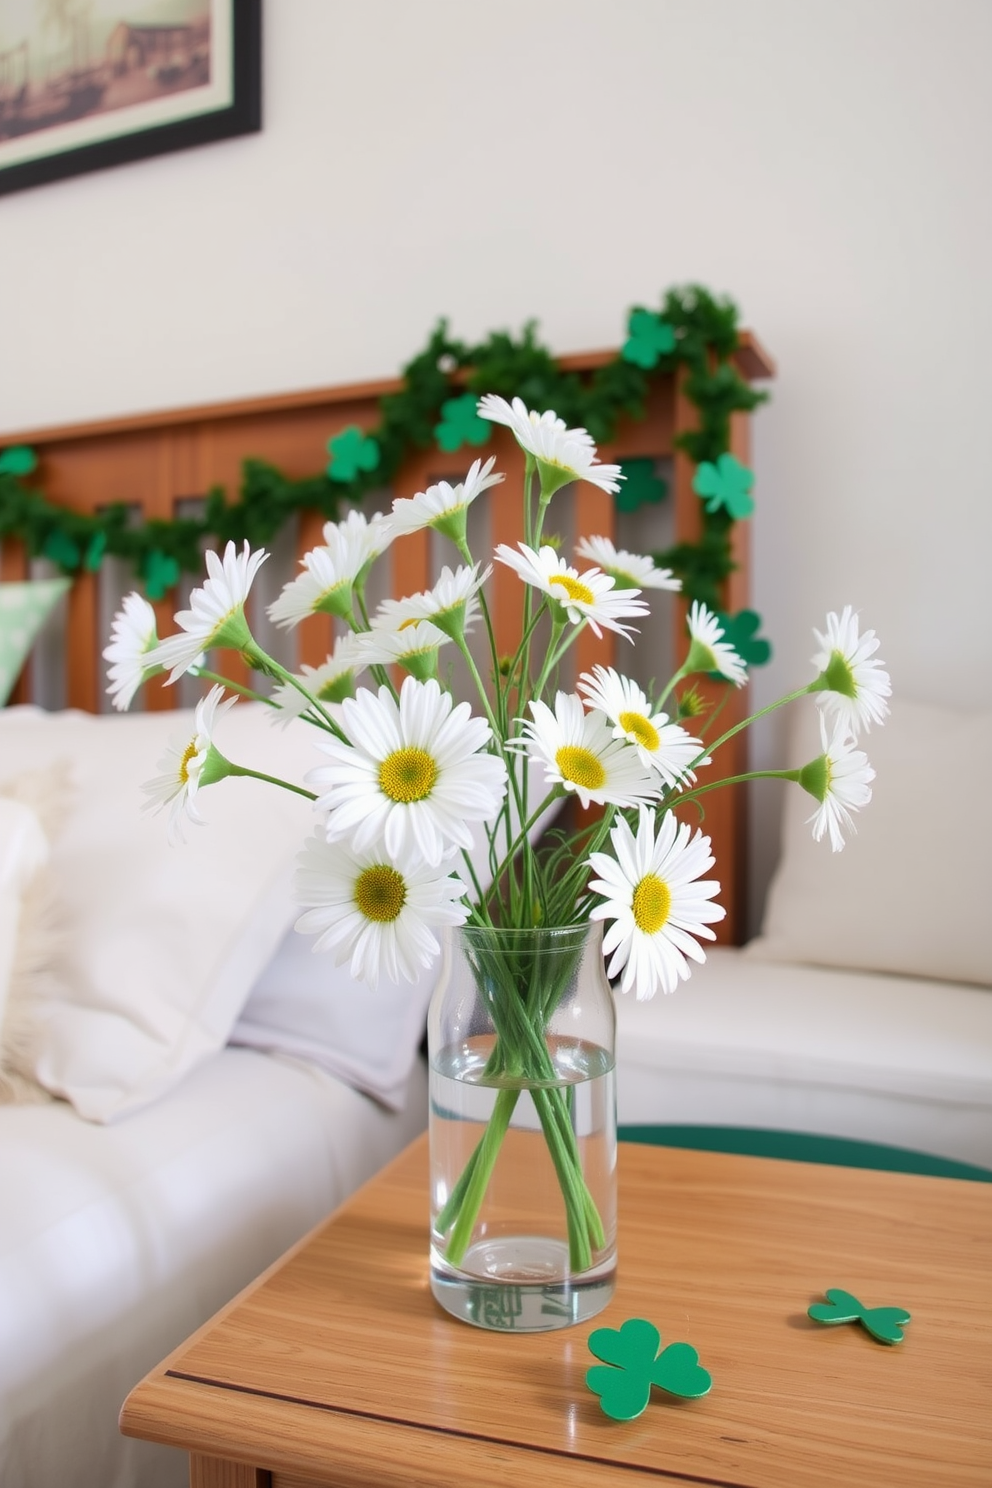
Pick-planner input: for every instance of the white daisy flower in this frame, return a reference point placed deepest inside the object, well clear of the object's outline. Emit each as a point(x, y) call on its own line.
point(580, 754)
point(630, 570)
point(331, 572)
point(590, 596)
point(330, 682)
point(132, 636)
point(853, 684)
point(189, 763)
point(707, 652)
point(380, 914)
point(562, 454)
point(414, 773)
point(413, 647)
point(452, 604)
point(653, 896)
point(840, 780)
point(444, 506)
point(216, 616)
point(661, 745)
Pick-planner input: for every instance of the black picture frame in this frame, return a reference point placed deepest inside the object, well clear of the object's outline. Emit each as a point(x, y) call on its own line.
point(242, 116)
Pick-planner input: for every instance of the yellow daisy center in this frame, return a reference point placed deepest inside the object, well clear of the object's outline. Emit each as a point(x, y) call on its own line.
point(574, 589)
point(580, 766)
point(652, 904)
point(380, 893)
point(405, 624)
point(407, 775)
point(189, 754)
point(642, 728)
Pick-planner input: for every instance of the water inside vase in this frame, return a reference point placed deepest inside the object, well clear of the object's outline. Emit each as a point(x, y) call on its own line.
point(515, 1273)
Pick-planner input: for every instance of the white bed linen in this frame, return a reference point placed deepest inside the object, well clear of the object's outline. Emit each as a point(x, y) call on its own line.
point(117, 1241)
point(897, 1060)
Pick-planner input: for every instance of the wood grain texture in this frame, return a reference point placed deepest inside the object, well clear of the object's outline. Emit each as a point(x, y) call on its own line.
point(213, 1472)
point(340, 1355)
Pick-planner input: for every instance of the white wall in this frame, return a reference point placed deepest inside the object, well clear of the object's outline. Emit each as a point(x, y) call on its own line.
point(826, 163)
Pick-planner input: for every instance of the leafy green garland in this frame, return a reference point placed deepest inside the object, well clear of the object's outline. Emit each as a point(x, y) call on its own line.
point(693, 329)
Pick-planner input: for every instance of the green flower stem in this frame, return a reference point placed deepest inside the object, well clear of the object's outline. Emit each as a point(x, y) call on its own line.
point(270, 780)
point(482, 1168)
point(248, 692)
point(701, 790)
point(569, 1180)
point(790, 697)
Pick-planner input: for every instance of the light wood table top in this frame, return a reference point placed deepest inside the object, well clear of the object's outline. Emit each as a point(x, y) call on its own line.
point(338, 1368)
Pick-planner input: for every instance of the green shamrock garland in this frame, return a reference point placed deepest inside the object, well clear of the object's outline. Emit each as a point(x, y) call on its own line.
point(460, 424)
point(692, 329)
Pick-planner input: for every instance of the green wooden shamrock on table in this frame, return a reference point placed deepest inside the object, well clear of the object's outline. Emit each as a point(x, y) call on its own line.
point(460, 424)
point(649, 338)
point(351, 451)
point(884, 1323)
point(631, 1365)
point(726, 483)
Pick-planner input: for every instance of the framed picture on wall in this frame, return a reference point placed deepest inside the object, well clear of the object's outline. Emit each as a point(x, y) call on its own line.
point(86, 84)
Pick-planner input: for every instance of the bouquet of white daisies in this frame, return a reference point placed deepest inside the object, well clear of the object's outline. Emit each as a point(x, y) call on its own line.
point(408, 776)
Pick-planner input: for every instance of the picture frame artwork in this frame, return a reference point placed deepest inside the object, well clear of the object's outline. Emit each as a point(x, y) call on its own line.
point(86, 84)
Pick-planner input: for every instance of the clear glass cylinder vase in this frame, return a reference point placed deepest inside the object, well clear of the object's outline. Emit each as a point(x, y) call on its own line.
point(521, 1036)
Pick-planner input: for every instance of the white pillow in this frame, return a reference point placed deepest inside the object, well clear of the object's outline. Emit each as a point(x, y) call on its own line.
point(162, 943)
point(23, 852)
point(909, 894)
point(304, 1005)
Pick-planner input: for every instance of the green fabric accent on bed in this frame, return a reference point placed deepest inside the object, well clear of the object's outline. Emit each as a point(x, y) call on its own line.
point(841, 1152)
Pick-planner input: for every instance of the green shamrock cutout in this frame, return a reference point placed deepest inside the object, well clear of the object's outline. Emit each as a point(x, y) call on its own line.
point(649, 338)
point(61, 549)
point(884, 1323)
point(351, 451)
point(726, 484)
point(631, 1350)
point(741, 632)
point(460, 424)
point(160, 572)
point(641, 486)
point(18, 460)
point(93, 556)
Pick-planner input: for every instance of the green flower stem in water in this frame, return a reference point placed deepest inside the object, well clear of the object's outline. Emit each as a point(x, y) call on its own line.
point(520, 1055)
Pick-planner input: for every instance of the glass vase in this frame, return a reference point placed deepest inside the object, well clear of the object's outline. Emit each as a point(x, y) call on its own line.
point(521, 1036)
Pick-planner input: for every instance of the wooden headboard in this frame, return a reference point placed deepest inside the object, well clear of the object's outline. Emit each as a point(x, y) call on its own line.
point(156, 462)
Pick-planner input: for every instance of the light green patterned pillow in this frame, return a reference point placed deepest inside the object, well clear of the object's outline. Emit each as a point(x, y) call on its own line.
point(24, 608)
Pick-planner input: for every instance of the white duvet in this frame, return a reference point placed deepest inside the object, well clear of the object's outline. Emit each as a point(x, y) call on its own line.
point(117, 1241)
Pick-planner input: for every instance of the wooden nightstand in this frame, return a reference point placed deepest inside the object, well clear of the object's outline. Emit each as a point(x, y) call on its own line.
point(338, 1368)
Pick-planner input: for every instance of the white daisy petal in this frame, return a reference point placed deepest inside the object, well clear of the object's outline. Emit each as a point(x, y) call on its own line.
point(660, 910)
point(579, 754)
point(182, 766)
point(629, 570)
point(853, 685)
point(708, 652)
point(216, 616)
point(400, 774)
point(330, 682)
point(562, 454)
point(132, 637)
point(331, 572)
point(444, 506)
point(379, 914)
point(661, 745)
point(590, 596)
point(840, 779)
